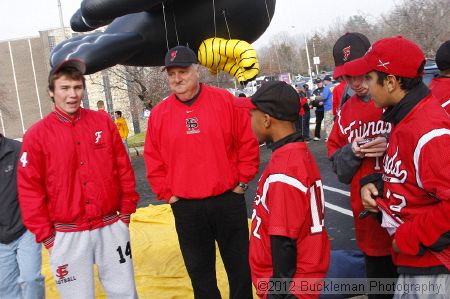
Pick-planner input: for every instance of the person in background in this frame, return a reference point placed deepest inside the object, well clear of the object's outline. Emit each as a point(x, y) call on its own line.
point(318, 104)
point(327, 95)
point(440, 86)
point(302, 98)
point(20, 255)
point(307, 113)
point(101, 106)
point(200, 154)
point(77, 191)
point(357, 121)
point(122, 126)
point(288, 240)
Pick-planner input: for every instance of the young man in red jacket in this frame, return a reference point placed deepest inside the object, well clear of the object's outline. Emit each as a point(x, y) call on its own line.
point(358, 120)
point(288, 243)
point(77, 191)
point(414, 189)
point(440, 86)
point(200, 155)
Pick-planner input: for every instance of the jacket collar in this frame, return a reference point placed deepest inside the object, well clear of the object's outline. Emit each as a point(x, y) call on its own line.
point(398, 112)
point(191, 101)
point(65, 117)
point(294, 137)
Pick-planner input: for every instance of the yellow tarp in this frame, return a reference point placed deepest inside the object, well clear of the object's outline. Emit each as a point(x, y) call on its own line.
point(158, 265)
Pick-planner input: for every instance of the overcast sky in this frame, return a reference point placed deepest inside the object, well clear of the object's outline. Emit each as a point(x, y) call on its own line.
point(24, 18)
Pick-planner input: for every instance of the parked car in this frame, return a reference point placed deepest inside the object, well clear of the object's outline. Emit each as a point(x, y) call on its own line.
point(430, 71)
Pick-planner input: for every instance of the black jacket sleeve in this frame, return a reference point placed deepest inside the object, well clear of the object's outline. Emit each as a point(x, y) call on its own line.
point(345, 164)
point(284, 260)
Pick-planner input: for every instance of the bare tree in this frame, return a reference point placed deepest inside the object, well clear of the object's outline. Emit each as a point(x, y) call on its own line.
point(423, 21)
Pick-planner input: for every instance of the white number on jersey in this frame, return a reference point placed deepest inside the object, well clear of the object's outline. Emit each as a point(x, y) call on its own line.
point(23, 159)
point(317, 206)
point(258, 223)
point(398, 198)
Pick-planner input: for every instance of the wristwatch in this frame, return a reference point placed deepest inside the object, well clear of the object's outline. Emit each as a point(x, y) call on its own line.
point(244, 186)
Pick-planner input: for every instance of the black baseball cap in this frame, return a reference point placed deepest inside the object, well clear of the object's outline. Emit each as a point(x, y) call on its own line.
point(327, 78)
point(180, 56)
point(348, 47)
point(443, 56)
point(276, 98)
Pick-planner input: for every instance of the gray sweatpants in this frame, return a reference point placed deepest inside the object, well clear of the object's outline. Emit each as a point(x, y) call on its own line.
point(423, 286)
point(74, 254)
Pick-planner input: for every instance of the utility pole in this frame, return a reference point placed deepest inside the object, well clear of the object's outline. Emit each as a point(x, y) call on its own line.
point(309, 63)
point(314, 52)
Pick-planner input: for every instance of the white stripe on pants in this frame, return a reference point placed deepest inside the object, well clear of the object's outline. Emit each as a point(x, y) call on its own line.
point(74, 254)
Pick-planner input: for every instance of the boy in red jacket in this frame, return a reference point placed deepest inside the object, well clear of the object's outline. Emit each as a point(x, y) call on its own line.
point(77, 191)
point(288, 242)
point(414, 189)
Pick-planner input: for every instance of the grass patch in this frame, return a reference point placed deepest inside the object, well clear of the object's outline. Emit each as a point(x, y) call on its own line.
point(136, 140)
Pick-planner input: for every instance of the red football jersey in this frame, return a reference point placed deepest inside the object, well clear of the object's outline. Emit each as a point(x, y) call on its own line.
point(289, 202)
point(417, 182)
point(358, 118)
point(440, 87)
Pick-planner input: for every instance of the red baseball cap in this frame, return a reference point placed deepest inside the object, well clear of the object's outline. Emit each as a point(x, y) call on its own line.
point(393, 55)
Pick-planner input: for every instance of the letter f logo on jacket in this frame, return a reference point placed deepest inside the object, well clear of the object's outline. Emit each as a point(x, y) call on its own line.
point(98, 135)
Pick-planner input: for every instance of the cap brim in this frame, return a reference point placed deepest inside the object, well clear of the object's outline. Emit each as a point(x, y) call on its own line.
point(244, 103)
point(177, 65)
point(338, 71)
point(357, 67)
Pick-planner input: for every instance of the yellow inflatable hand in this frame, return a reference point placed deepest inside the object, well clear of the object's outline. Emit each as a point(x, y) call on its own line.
point(236, 57)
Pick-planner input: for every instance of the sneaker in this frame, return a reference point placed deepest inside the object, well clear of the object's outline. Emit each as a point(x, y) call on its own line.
point(316, 138)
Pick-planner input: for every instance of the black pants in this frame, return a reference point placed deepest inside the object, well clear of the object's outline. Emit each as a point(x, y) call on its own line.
point(319, 118)
point(380, 267)
point(199, 224)
point(305, 124)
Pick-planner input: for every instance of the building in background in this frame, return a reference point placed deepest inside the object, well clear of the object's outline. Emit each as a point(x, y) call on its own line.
point(24, 68)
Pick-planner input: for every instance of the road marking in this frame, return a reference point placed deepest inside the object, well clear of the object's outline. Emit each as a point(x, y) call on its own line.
point(339, 209)
point(335, 207)
point(336, 190)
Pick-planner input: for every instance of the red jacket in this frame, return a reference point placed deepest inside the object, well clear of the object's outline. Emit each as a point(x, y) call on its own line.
point(440, 87)
point(417, 183)
point(200, 150)
point(74, 174)
point(303, 101)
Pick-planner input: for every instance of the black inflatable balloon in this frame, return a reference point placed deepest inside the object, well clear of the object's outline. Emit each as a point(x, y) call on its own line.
point(138, 35)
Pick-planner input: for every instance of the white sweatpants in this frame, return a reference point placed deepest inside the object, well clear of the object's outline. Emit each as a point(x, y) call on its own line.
point(74, 254)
